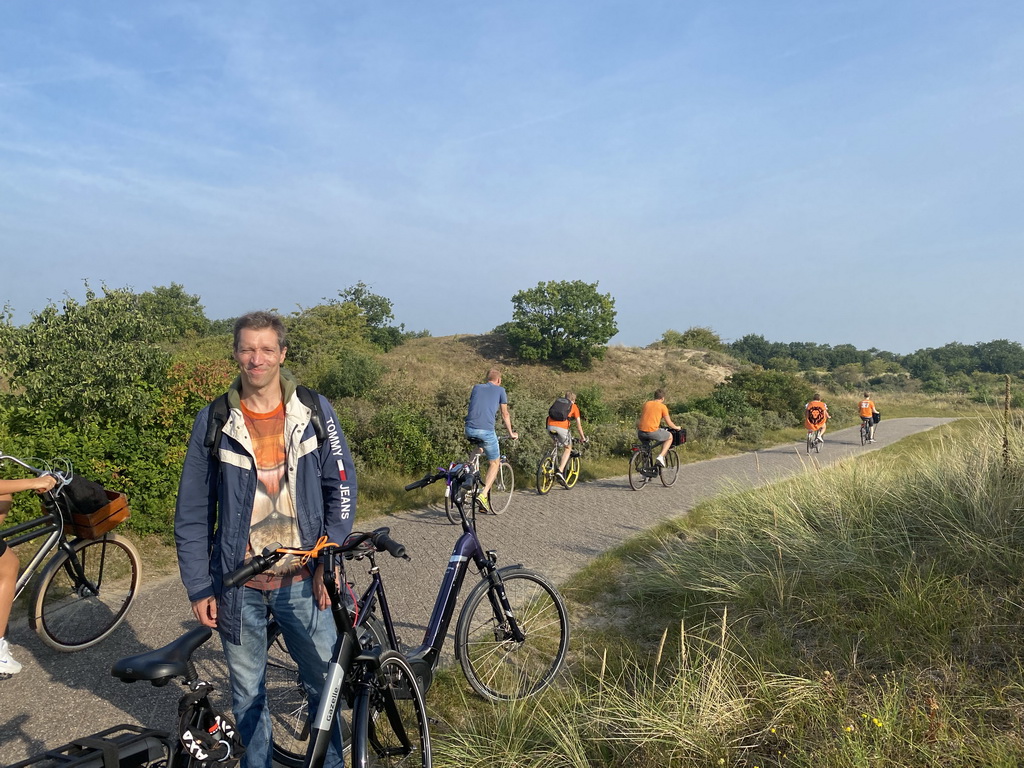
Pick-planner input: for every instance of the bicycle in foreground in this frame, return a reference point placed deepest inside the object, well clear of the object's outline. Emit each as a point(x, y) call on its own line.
point(87, 587)
point(643, 468)
point(547, 466)
point(388, 714)
point(500, 496)
point(814, 441)
point(511, 637)
point(387, 725)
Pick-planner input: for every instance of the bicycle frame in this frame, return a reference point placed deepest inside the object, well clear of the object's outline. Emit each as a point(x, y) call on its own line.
point(424, 658)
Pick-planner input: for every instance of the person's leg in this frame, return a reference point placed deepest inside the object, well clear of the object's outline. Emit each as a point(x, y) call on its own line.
point(8, 580)
point(664, 449)
point(247, 666)
point(310, 635)
point(493, 455)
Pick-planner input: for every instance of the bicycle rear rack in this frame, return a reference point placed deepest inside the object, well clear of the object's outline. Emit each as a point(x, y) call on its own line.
point(117, 747)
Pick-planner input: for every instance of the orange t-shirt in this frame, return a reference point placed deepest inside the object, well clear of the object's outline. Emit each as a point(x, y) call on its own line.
point(574, 413)
point(651, 415)
point(815, 415)
point(867, 407)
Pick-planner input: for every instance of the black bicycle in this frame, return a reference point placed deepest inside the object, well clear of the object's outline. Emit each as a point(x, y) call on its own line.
point(511, 637)
point(202, 736)
point(643, 467)
point(87, 587)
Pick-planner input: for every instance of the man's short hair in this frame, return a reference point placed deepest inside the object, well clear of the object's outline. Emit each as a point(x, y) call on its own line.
point(816, 396)
point(258, 321)
point(659, 394)
point(493, 375)
point(867, 394)
point(571, 396)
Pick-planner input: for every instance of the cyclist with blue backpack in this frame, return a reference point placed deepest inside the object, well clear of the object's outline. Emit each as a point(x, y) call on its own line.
point(560, 414)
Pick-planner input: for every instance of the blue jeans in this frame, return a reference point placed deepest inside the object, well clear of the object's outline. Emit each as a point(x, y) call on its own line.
point(491, 450)
point(309, 634)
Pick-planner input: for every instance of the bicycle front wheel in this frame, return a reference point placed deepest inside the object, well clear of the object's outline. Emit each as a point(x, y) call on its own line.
point(670, 471)
point(496, 664)
point(500, 495)
point(637, 479)
point(863, 434)
point(545, 475)
point(572, 471)
point(389, 718)
point(286, 696)
point(449, 508)
point(83, 597)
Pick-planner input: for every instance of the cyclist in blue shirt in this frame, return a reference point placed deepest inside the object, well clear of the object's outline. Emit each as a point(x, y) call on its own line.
point(484, 402)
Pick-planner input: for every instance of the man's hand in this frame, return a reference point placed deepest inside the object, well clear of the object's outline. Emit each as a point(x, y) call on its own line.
point(513, 435)
point(323, 600)
point(205, 610)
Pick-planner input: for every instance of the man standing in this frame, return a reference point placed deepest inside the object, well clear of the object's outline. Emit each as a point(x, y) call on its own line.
point(484, 402)
point(267, 477)
point(648, 426)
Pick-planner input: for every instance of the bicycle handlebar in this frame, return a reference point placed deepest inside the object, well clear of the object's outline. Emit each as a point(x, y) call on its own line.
point(380, 538)
point(62, 476)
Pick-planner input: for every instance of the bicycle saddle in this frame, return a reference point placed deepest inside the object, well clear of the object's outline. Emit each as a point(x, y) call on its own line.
point(162, 664)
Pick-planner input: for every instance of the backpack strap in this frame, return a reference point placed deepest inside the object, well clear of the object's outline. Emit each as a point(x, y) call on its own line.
point(311, 400)
point(219, 410)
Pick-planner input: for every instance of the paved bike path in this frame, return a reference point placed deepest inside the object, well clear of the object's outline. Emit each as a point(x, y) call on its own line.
point(58, 697)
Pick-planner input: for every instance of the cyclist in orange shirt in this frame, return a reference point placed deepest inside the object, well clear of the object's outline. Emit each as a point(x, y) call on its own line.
point(648, 426)
point(816, 416)
point(559, 430)
point(867, 415)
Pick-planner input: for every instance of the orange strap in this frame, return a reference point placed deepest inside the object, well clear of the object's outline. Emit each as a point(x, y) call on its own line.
point(305, 555)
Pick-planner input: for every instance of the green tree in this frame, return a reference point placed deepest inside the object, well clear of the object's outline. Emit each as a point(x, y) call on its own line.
point(179, 314)
point(378, 313)
point(695, 337)
point(561, 321)
point(91, 363)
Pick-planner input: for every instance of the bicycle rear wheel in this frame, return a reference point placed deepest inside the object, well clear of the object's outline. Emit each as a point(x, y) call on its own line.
point(670, 471)
point(389, 718)
point(500, 495)
point(637, 466)
point(863, 433)
point(286, 696)
point(498, 666)
point(70, 612)
point(545, 475)
point(572, 473)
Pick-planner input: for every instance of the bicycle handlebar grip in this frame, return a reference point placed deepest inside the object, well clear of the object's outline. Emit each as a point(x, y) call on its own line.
point(258, 564)
point(425, 480)
point(382, 540)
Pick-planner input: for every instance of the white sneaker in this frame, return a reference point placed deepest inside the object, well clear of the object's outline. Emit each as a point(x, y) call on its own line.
point(8, 666)
point(661, 460)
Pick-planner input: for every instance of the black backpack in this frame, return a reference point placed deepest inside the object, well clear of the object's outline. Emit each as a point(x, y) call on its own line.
point(220, 409)
point(559, 410)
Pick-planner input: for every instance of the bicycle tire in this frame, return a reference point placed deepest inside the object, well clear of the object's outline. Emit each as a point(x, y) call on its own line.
point(69, 616)
point(670, 472)
point(810, 442)
point(388, 702)
point(500, 496)
point(863, 433)
point(286, 696)
point(496, 666)
point(637, 479)
point(545, 475)
point(572, 474)
point(817, 443)
point(450, 510)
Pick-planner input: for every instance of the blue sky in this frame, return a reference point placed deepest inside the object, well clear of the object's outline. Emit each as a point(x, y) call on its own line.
point(750, 166)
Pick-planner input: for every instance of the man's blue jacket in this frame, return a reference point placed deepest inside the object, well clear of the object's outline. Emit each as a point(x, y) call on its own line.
point(215, 496)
